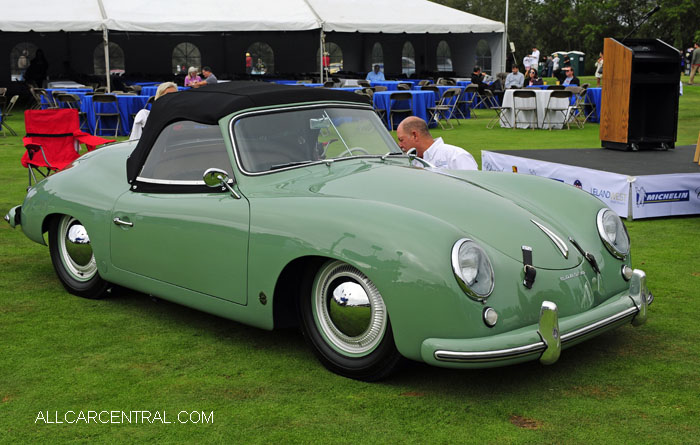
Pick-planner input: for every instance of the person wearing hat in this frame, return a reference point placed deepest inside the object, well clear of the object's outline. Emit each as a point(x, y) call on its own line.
point(248, 63)
point(192, 77)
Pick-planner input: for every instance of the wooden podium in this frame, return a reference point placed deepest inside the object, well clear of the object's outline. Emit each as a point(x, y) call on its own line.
point(639, 104)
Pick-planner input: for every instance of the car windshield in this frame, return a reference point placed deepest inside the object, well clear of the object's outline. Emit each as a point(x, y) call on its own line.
point(289, 138)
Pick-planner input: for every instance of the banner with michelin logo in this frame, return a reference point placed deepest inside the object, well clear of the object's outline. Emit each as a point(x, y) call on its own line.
point(661, 195)
point(630, 197)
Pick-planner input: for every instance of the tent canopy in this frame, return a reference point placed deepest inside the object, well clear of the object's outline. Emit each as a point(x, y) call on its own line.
point(368, 16)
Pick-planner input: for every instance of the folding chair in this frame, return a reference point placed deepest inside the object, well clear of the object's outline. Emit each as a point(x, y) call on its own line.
point(381, 112)
point(524, 100)
point(559, 102)
point(470, 99)
point(55, 135)
point(556, 87)
point(424, 82)
point(363, 83)
point(5, 112)
point(399, 99)
point(3, 91)
point(578, 108)
point(404, 86)
point(443, 108)
point(73, 101)
point(99, 103)
point(501, 116)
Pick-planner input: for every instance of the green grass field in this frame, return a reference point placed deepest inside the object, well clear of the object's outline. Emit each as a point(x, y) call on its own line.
point(61, 353)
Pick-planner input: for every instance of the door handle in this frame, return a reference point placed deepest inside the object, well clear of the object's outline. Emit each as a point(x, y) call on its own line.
point(120, 222)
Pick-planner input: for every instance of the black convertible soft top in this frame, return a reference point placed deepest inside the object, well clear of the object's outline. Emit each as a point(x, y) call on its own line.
point(208, 104)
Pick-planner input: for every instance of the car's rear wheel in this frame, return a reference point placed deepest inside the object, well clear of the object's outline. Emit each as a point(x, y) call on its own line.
point(346, 322)
point(73, 259)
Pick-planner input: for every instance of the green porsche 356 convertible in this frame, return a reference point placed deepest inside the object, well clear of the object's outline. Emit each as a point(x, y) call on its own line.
point(280, 205)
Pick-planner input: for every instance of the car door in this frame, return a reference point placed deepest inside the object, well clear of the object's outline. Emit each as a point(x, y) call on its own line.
point(172, 228)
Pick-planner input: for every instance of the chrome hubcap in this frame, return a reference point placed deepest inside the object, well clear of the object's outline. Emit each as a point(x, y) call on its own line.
point(348, 309)
point(75, 249)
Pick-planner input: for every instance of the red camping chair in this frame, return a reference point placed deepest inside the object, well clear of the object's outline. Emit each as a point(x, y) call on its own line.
point(53, 140)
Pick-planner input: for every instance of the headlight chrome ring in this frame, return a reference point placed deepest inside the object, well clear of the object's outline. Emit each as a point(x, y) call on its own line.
point(613, 233)
point(472, 269)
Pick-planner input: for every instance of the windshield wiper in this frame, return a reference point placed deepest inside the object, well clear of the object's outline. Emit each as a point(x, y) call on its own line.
point(289, 164)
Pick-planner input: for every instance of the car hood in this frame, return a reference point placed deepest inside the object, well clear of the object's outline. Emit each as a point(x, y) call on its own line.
point(452, 199)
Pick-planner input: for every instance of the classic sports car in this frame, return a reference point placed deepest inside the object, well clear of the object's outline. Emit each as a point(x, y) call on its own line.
point(282, 205)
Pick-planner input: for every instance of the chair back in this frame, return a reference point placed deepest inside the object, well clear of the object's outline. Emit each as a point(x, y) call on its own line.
point(71, 100)
point(363, 83)
point(423, 82)
point(399, 96)
point(556, 87)
point(7, 111)
point(472, 88)
point(524, 99)
point(405, 86)
point(52, 130)
point(104, 98)
point(559, 100)
point(328, 84)
point(3, 91)
point(380, 88)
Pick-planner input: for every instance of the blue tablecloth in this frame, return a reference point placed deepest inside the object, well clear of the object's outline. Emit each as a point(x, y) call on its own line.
point(391, 85)
point(421, 101)
point(128, 105)
point(541, 87)
point(593, 95)
point(150, 90)
point(442, 89)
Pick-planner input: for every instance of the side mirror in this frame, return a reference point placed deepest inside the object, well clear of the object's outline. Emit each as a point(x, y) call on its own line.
point(215, 177)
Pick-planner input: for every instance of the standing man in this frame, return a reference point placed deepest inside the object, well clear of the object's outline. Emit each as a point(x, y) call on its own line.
point(694, 63)
point(209, 78)
point(248, 63)
point(413, 133)
point(375, 75)
point(515, 79)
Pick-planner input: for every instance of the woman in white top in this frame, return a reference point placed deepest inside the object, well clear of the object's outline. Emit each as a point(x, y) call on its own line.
point(142, 116)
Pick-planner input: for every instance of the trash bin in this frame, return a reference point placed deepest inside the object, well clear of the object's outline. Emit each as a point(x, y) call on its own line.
point(577, 60)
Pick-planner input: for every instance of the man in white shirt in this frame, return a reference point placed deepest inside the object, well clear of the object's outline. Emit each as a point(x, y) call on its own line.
point(413, 133)
point(515, 79)
point(535, 58)
point(375, 75)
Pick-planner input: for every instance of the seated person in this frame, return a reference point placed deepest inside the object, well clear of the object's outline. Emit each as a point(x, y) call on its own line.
point(570, 79)
point(413, 133)
point(515, 79)
point(142, 116)
point(533, 78)
point(478, 79)
point(192, 76)
point(375, 75)
point(209, 78)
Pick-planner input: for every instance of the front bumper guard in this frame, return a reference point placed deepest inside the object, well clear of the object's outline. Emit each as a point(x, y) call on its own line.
point(14, 216)
point(552, 340)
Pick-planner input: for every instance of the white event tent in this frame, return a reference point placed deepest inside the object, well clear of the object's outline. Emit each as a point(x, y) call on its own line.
point(170, 16)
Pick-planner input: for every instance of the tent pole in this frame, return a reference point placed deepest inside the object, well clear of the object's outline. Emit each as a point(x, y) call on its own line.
point(105, 38)
point(505, 41)
point(320, 52)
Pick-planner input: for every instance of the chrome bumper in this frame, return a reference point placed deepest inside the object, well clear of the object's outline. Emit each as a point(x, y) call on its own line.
point(551, 339)
point(14, 216)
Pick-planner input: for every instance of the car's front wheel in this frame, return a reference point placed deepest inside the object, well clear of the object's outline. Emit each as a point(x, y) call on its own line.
point(346, 322)
point(73, 260)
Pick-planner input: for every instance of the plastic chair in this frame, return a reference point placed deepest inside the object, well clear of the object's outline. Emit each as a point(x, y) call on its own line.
point(559, 102)
point(107, 100)
point(524, 100)
point(55, 135)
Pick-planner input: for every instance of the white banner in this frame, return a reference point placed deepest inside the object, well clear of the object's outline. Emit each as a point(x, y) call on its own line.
point(662, 195)
point(611, 188)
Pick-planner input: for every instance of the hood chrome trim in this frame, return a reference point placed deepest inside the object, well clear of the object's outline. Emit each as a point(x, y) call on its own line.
point(560, 243)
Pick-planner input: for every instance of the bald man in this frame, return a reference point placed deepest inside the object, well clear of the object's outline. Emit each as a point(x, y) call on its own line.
point(413, 133)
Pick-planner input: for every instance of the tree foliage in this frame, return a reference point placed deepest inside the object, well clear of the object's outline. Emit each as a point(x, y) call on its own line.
point(581, 25)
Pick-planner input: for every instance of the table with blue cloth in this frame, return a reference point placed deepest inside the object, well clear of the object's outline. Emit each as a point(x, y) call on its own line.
point(391, 85)
point(593, 95)
point(150, 90)
point(541, 87)
point(442, 89)
point(128, 105)
point(421, 101)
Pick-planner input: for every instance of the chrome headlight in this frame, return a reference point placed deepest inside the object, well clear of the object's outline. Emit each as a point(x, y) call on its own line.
point(613, 233)
point(472, 268)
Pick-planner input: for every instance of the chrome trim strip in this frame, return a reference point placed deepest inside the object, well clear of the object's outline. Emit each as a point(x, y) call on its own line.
point(601, 231)
point(561, 245)
point(168, 181)
point(511, 353)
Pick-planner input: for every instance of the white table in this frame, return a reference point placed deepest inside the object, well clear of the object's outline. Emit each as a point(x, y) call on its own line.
point(542, 98)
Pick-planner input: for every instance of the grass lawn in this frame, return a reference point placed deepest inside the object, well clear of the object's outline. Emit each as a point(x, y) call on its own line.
point(126, 353)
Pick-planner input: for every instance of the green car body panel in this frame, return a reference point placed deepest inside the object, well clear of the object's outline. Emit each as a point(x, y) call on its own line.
point(394, 222)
